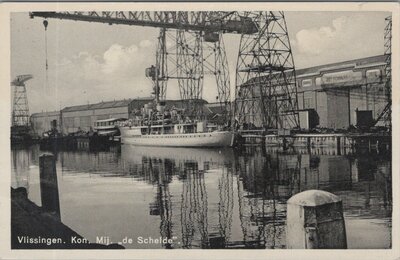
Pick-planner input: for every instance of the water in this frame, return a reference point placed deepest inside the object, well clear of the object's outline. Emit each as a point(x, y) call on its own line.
point(205, 198)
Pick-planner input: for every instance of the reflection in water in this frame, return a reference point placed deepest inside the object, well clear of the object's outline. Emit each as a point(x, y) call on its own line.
point(210, 198)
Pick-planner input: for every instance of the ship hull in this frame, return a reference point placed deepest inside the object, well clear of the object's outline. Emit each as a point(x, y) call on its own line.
point(209, 139)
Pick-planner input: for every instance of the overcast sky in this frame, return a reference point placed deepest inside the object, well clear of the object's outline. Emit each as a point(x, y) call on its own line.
point(91, 62)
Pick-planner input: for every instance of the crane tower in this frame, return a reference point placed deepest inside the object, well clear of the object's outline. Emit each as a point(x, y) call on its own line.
point(20, 113)
point(266, 95)
point(387, 112)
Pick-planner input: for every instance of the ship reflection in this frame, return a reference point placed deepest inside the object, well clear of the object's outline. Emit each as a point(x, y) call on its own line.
point(161, 166)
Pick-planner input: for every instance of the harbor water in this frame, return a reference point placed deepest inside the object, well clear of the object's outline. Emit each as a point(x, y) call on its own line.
point(146, 197)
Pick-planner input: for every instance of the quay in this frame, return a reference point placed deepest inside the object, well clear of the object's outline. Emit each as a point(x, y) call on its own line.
point(345, 140)
point(29, 221)
point(79, 142)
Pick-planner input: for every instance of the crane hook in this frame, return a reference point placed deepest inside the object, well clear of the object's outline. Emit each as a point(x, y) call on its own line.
point(45, 23)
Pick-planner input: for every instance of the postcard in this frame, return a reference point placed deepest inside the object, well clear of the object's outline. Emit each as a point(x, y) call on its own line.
point(133, 128)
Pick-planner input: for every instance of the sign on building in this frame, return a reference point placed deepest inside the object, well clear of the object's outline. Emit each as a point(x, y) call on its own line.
point(347, 77)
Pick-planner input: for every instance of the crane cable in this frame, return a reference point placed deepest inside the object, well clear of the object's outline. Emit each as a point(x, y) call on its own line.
point(45, 23)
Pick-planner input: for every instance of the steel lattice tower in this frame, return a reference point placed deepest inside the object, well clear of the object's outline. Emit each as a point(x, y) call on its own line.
point(20, 114)
point(215, 62)
point(388, 72)
point(266, 94)
point(192, 55)
point(189, 66)
point(386, 115)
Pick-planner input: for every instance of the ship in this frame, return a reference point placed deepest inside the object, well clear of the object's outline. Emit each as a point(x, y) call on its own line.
point(176, 135)
point(156, 126)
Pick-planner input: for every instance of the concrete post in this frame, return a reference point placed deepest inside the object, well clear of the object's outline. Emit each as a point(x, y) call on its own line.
point(48, 184)
point(315, 220)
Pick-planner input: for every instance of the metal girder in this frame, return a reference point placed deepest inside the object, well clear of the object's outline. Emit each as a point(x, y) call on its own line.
point(266, 93)
point(228, 22)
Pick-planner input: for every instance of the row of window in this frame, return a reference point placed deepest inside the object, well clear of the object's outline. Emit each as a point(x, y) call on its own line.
point(370, 76)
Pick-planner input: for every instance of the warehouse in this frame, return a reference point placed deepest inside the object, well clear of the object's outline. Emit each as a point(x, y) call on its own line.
point(342, 94)
point(83, 117)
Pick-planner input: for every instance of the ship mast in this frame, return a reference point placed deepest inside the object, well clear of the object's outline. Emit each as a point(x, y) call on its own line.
point(160, 63)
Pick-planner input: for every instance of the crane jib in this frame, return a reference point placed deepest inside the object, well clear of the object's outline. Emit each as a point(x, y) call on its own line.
point(227, 23)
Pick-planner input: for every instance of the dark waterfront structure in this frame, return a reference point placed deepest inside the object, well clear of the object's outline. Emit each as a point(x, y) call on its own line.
point(45, 121)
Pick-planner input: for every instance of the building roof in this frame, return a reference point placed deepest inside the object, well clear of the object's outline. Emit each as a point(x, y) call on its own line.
point(341, 65)
point(372, 61)
point(101, 105)
point(46, 114)
point(139, 103)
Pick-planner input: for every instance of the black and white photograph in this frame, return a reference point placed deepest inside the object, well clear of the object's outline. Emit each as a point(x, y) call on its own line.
point(250, 128)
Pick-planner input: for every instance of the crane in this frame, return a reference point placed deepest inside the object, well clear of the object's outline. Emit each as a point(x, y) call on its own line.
point(183, 62)
point(265, 93)
point(20, 114)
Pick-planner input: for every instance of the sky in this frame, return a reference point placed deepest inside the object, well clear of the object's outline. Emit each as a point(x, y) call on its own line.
point(90, 62)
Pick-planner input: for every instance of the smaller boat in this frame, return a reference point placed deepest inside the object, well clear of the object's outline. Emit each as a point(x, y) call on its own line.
point(108, 127)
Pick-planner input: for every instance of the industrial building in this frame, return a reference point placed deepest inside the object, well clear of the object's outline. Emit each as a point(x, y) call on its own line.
point(342, 94)
point(334, 96)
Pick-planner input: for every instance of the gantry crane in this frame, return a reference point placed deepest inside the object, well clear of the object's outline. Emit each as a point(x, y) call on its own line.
point(189, 31)
point(265, 75)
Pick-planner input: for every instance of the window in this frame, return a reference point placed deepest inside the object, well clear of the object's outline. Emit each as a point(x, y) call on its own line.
point(306, 83)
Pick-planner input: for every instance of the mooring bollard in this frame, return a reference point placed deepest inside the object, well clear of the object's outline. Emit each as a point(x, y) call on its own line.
point(315, 220)
point(49, 185)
